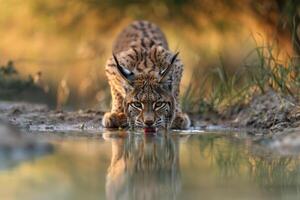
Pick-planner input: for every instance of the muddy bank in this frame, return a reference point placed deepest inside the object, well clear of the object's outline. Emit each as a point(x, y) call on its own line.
point(271, 115)
point(271, 111)
point(38, 117)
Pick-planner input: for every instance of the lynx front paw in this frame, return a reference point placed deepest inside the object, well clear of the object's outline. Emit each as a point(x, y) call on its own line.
point(181, 121)
point(114, 120)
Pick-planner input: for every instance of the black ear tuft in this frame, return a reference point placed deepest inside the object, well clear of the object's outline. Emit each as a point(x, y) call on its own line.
point(174, 58)
point(165, 72)
point(125, 73)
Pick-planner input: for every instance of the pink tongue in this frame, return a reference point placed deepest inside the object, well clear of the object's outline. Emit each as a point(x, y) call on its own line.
point(149, 130)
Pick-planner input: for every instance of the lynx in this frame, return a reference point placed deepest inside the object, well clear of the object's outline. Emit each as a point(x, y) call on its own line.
point(144, 78)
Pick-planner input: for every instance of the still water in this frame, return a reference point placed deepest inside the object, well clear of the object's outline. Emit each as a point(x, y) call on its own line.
point(180, 166)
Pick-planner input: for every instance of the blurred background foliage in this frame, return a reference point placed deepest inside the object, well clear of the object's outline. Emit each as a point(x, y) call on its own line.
point(64, 45)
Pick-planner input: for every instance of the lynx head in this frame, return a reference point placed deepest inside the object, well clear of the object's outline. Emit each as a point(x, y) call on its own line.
point(149, 101)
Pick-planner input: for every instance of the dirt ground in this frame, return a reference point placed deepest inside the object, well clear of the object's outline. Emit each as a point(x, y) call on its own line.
point(270, 111)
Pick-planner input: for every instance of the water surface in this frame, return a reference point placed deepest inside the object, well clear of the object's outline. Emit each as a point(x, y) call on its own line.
point(180, 166)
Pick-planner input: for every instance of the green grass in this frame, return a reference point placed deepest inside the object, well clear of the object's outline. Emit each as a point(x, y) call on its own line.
point(225, 89)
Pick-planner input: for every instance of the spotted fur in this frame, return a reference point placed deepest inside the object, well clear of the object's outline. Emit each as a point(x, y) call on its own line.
point(144, 77)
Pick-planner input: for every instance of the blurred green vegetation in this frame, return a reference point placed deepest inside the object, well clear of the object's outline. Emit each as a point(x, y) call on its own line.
point(10, 83)
point(14, 87)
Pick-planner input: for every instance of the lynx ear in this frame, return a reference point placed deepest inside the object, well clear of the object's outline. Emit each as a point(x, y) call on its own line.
point(125, 73)
point(165, 72)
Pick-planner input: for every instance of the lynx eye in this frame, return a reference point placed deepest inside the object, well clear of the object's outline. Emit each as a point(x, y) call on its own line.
point(158, 105)
point(137, 105)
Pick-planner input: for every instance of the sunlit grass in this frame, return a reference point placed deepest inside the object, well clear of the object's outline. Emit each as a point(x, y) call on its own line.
point(267, 72)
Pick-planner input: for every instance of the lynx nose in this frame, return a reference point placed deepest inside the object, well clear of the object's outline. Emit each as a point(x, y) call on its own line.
point(148, 118)
point(149, 122)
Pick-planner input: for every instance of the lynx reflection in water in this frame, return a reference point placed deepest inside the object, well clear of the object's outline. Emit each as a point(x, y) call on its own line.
point(144, 168)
